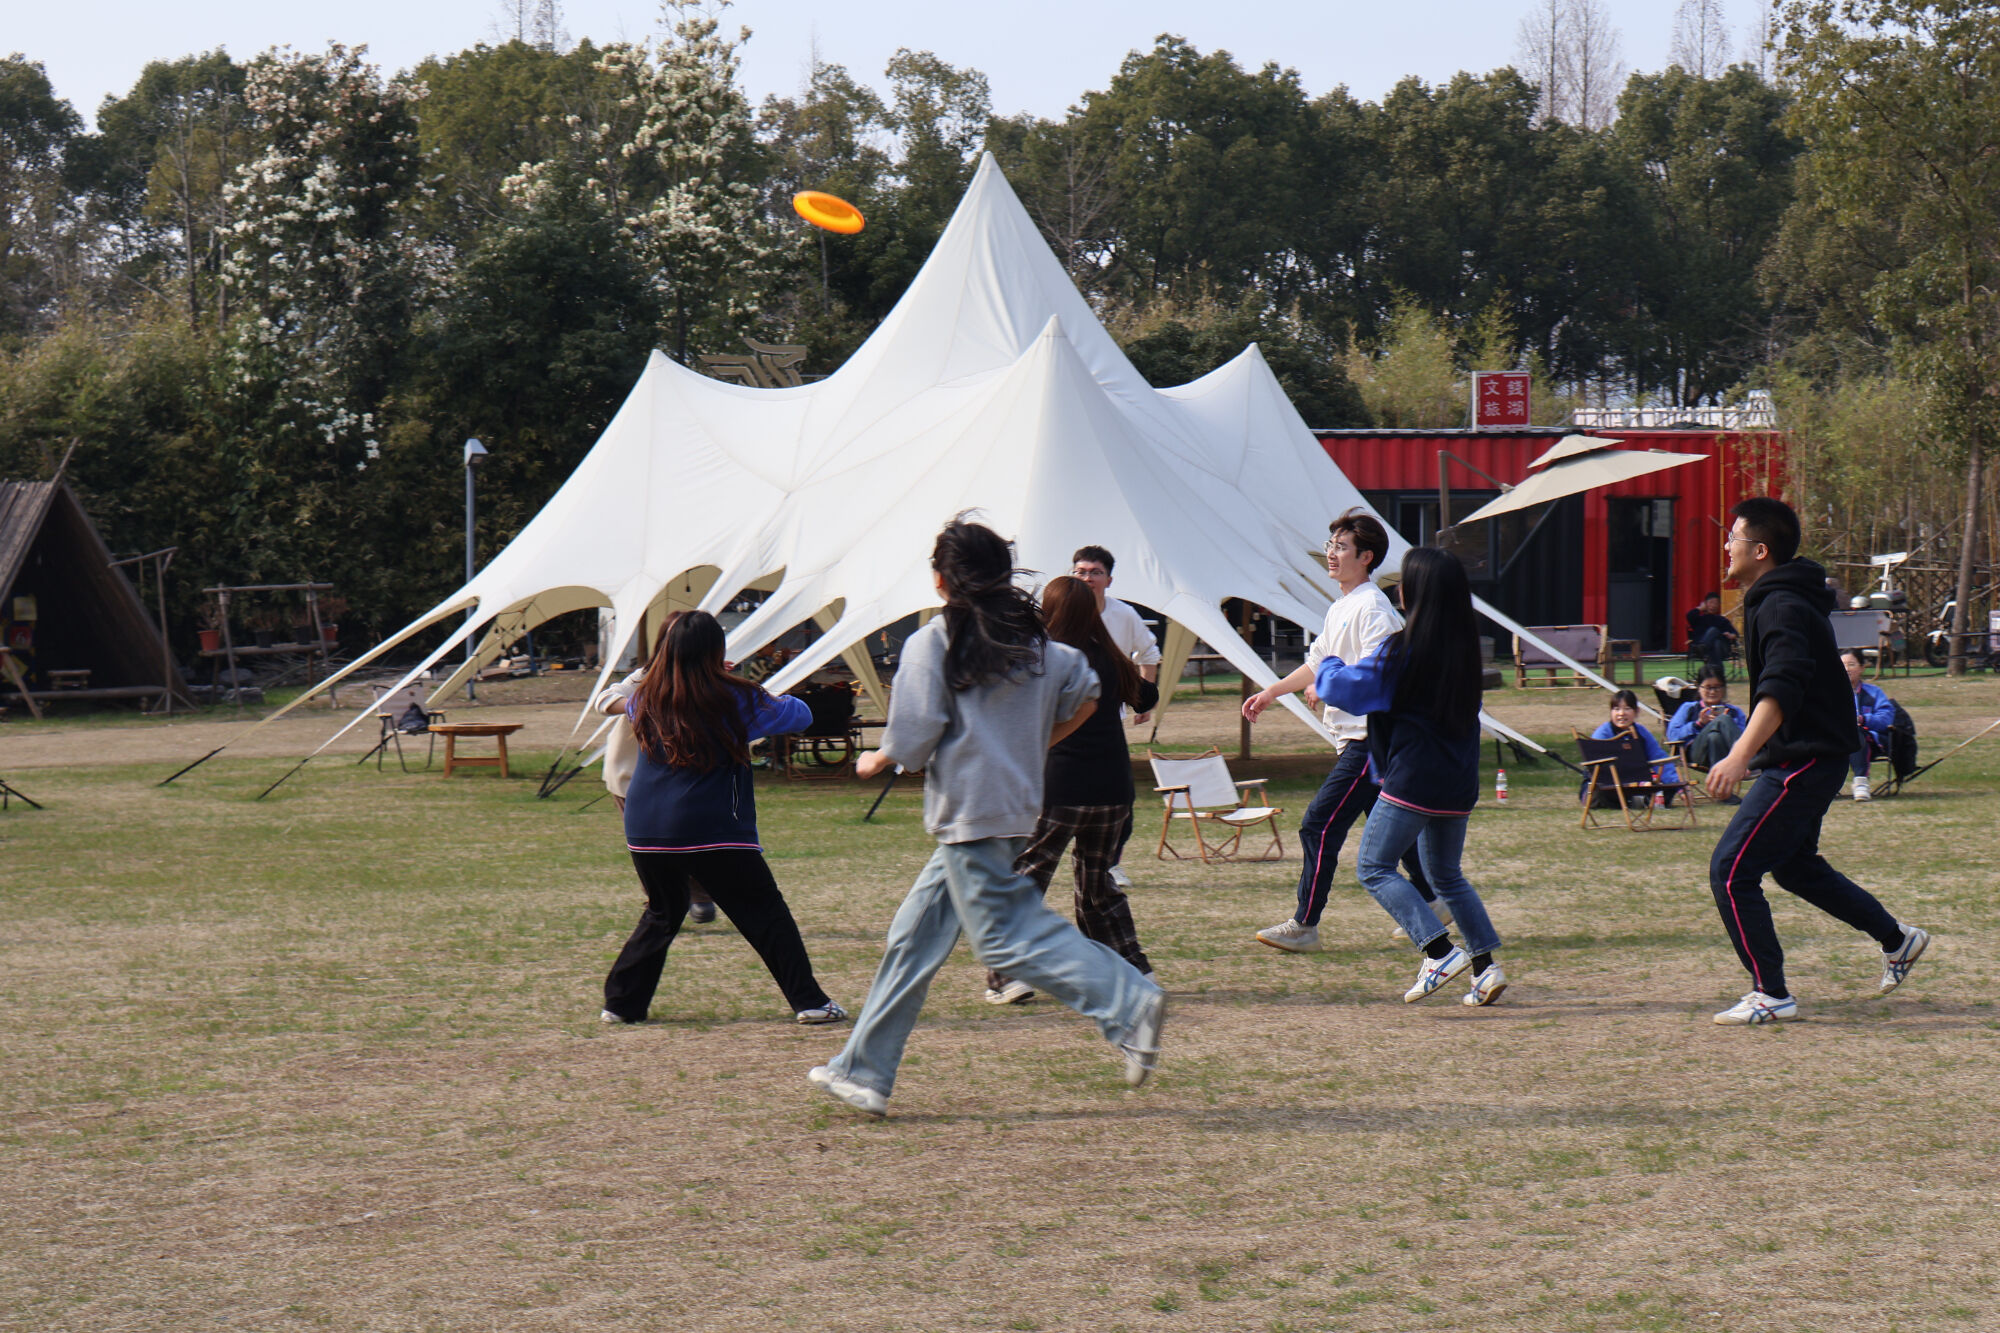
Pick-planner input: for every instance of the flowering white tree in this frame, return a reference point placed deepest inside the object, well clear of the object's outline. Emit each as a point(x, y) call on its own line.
point(675, 160)
point(323, 254)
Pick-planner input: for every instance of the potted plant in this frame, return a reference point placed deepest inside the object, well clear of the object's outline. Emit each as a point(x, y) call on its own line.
point(263, 626)
point(209, 628)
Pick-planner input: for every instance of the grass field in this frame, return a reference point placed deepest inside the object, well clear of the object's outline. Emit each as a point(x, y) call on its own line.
point(332, 1060)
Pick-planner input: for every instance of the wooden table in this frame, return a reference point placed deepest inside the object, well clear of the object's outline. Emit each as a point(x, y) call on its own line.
point(499, 731)
point(1617, 651)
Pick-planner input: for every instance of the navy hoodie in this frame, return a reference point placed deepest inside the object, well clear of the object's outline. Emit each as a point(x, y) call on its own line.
point(673, 809)
point(1419, 764)
point(1788, 646)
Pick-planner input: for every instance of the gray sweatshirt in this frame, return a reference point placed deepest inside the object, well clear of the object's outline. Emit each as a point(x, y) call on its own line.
point(983, 750)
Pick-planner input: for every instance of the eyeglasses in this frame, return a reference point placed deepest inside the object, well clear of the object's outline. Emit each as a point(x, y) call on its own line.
point(1089, 572)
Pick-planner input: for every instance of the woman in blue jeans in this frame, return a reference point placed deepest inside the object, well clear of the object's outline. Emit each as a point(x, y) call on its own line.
point(1420, 690)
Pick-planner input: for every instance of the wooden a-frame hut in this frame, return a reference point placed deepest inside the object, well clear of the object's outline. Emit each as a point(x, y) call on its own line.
point(64, 609)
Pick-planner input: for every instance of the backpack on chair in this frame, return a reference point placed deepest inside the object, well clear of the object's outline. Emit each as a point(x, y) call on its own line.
point(1902, 743)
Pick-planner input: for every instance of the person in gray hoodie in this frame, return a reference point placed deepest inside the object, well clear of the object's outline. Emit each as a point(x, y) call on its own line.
point(980, 695)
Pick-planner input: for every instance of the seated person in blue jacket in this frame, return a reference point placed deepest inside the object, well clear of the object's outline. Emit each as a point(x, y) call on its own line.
point(1709, 631)
point(1625, 713)
point(1708, 727)
point(1874, 714)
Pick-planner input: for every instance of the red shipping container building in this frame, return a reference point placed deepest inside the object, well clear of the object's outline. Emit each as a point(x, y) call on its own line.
point(1634, 556)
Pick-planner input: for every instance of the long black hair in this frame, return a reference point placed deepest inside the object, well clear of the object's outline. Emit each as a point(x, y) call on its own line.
point(1438, 646)
point(993, 625)
point(689, 711)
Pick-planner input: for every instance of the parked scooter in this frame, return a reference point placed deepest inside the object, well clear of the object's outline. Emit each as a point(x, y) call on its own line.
point(1982, 648)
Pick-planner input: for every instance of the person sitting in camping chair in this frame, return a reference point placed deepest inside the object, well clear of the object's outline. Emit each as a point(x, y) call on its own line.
point(1706, 728)
point(1625, 716)
point(1710, 633)
point(1874, 715)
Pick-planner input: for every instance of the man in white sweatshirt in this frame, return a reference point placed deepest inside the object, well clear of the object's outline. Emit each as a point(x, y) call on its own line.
point(1355, 625)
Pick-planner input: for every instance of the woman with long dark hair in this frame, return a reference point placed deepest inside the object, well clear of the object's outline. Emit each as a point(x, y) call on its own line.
point(980, 695)
point(691, 813)
point(1087, 786)
point(1420, 689)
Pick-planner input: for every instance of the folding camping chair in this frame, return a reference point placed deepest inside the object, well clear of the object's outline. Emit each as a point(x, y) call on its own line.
point(397, 712)
point(1201, 791)
point(1619, 766)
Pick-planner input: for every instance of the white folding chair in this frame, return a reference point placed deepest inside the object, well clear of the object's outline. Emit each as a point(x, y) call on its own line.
point(1200, 791)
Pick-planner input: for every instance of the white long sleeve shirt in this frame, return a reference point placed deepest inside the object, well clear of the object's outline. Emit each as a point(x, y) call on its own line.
point(1355, 625)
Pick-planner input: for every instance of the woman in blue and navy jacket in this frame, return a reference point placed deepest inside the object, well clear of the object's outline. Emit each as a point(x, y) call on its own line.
point(691, 813)
point(1420, 690)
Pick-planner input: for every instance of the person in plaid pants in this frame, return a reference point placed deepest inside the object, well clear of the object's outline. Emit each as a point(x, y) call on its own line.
point(1088, 793)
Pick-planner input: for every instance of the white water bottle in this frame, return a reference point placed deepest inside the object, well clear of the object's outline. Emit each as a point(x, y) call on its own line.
point(1500, 786)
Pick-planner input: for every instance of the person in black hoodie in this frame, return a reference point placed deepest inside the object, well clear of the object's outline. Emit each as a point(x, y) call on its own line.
point(1800, 734)
point(1087, 792)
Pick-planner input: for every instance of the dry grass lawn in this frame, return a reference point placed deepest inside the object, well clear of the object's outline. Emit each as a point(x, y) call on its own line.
point(331, 1060)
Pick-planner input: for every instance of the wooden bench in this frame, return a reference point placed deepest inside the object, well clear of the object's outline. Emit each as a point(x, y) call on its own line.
point(499, 731)
point(1582, 643)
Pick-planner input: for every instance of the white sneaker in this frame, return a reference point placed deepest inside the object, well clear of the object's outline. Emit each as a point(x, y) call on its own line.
point(1486, 987)
point(826, 1013)
point(1291, 937)
point(1141, 1046)
point(1861, 787)
point(1897, 965)
point(1435, 972)
point(865, 1100)
point(1120, 878)
point(1014, 992)
point(606, 1016)
point(1757, 1008)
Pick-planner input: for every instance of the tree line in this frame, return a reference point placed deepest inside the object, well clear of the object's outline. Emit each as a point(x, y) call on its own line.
point(269, 298)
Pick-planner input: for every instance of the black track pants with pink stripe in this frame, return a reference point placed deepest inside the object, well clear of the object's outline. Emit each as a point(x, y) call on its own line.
point(1776, 832)
point(1348, 793)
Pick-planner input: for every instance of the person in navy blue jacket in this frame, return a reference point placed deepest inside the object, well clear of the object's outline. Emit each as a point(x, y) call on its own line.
point(691, 813)
point(1420, 689)
point(1874, 715)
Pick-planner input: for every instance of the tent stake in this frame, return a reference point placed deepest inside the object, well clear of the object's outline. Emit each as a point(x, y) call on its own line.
point(196, 764)
point(274, 786)
point(879, 799)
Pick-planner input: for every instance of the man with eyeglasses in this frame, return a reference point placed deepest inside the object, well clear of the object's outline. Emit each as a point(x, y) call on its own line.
point(1800, 734)
point(1356, 624)
point(1134, 638)
point(1128, 629)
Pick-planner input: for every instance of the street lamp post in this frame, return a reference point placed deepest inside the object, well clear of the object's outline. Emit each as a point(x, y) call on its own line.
point(475, 454)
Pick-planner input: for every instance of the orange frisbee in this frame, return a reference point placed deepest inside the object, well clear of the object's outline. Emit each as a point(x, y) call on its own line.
point(828, 211)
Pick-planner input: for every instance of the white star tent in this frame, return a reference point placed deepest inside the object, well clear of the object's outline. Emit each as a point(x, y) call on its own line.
point(991, 387)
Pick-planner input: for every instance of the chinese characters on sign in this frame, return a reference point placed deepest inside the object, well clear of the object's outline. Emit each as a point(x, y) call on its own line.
point(1499, 398)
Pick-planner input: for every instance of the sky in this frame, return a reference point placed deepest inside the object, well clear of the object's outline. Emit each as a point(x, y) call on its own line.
point(1040, 56)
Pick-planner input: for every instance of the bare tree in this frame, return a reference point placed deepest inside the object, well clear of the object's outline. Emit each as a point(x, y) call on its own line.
point(1759, 37)
point(1539, 52)
point(1595, 66)
point(1701, 38)
point(534, 22)
point(1571, 51)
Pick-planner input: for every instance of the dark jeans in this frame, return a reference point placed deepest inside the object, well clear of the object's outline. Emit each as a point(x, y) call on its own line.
point(1712, 644)
point(1776, 831)
point(742, 887)
point(1348, 793)
point(1857, 763)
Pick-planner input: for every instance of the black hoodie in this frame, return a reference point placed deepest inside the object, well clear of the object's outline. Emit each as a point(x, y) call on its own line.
point(1788, 646)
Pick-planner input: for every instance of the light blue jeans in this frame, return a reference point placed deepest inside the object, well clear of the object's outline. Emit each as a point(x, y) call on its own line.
point(972, 886)
point(1440, 841)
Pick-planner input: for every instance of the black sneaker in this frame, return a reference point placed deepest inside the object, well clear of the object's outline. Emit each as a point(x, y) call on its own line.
point(701, 913)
